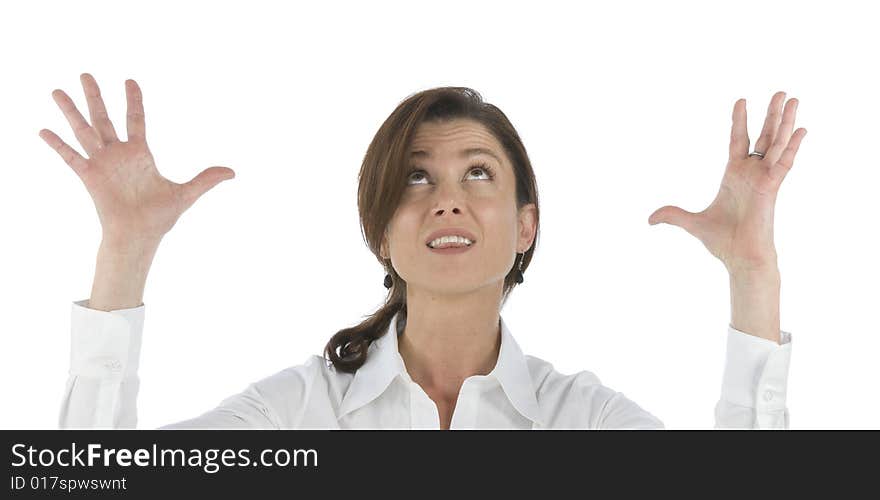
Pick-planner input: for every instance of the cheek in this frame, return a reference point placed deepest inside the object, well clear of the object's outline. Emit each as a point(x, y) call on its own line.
point(403, 229)
point(499, 225)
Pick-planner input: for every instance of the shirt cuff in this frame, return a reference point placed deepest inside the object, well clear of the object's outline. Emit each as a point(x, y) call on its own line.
point(105, 344)
point(756, 371)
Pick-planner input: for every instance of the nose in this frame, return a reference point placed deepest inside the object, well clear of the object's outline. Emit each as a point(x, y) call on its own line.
point(449, 200)
point(448, 204)
point(441, 211)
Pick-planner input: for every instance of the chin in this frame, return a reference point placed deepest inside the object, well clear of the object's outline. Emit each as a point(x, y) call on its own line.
point(450, 284)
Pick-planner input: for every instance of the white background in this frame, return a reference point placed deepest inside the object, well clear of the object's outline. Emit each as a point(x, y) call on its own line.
point(624, 107)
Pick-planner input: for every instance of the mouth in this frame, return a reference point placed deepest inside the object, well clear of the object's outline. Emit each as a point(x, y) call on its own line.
point(450, 240)
point(451, 249)
point(450, 245)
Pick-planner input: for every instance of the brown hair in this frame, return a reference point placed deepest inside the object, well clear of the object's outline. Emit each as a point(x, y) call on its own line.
point(382, 181)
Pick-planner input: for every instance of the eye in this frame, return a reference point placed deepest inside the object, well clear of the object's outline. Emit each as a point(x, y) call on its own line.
point(482, 168)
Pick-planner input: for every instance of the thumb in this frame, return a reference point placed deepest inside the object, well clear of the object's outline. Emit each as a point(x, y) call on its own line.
point(203, 182)
point(674, 216)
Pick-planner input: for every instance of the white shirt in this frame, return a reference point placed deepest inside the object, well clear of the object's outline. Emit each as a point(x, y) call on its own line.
point(521, 392)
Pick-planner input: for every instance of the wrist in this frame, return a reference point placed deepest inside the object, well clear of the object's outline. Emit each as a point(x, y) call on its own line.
point(754, 302)
point(123, 244)
point(121, 273)
point(755, 277)
point(755, 267)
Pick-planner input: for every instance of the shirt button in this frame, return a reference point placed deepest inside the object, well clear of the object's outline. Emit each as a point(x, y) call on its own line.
point(768, 395)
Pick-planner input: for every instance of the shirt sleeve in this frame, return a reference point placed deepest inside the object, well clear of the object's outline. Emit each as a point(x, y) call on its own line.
point(621, 413)
point(102, 383)
point(754, 384)
point(278, 401)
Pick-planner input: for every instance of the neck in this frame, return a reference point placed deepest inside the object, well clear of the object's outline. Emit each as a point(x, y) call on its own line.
point(449, 338)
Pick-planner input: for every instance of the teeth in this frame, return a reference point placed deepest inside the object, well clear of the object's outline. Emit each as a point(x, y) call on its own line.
point(450, 241)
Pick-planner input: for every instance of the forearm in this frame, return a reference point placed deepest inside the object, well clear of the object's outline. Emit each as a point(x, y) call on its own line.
point(121, 273)
point(754, 302)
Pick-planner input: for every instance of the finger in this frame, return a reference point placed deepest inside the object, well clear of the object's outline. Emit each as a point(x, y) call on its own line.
point(783, 135)
point(203, 183)
point(739, 133)
point(85, 134)
point(67, 153)
point(675, 216)
point(786, 161)
point(771, 123)
point(97, 110)
point(135, 114)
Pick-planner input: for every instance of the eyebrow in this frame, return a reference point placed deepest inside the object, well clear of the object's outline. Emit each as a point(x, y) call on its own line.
point(464, 153)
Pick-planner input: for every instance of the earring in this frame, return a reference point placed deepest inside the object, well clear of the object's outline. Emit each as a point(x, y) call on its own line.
point(389, 282)
point(519, 275)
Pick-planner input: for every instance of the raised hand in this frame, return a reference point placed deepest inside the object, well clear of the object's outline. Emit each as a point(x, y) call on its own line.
point(133, 200)
point(737, 227)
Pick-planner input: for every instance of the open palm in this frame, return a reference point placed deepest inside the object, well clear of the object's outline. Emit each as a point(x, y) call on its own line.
point(737, 227)
point(132, 198)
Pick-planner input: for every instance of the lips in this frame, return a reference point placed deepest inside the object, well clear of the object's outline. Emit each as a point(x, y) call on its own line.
point(450, 231)
point(450, 250)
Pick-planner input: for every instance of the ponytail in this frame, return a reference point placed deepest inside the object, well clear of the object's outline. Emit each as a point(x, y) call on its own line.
point(347, 349)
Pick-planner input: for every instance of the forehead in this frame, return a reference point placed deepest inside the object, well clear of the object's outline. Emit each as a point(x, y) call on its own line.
point(450, 137)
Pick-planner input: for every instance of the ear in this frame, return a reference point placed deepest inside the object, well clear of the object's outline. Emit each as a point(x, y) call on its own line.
point(527, 227)
point(383, 248)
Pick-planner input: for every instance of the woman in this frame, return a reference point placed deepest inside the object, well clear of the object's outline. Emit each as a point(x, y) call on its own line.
point(448, 204)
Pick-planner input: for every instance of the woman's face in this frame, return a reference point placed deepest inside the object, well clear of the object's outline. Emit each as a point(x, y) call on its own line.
point(461, 178)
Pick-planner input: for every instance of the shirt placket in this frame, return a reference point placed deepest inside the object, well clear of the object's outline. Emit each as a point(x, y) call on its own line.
point(464, 416)
point(423, 411)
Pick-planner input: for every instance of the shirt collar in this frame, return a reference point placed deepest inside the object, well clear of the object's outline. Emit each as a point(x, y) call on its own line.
point(384, 363)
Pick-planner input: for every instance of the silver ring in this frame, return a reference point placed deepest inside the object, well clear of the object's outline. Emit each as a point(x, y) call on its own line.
point(757, 153)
